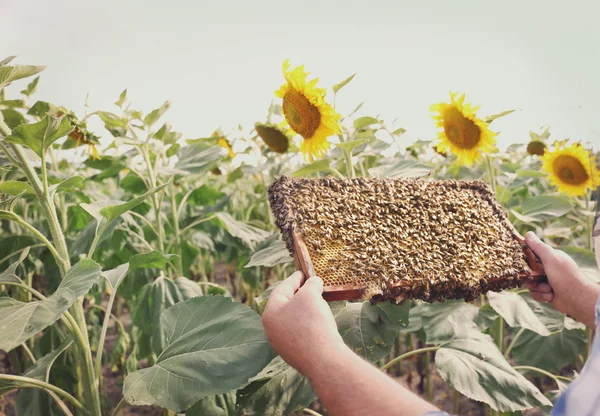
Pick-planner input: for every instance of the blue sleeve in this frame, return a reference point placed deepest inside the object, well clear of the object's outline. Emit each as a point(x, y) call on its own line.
point(582, 397)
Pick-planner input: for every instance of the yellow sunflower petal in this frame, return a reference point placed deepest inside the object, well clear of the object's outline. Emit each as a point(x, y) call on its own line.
point(463, 134)
point(571, 168)
point(307, 112)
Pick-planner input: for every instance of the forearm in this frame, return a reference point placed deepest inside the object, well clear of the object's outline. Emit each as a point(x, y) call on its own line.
point(349, 386)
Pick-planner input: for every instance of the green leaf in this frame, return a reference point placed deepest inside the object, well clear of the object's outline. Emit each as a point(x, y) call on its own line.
point(318, 166)
point(39, 136)
point(398, 132)
point(217, 405)
point(13, 118)
point(277, 390)
point(435, 321)
point(527, 219)
point(526, 173)
point(9, 275)
point(15, 188)
point(65, 185)
point(155, 114)
point(113, 209)
point(155, 298)
point(198, 158)
point(165, 134)
point(40, 108)
point(550, 353)
point(348, 146)
point(85, 237)
point(274, 252)
point(119, 351)
point(213, 346)
point(401, 168)
point(554, 206)
point(31, 87)
point(20, 321)
point(9, 74)
point(202, 196)
point(173, 149)
point(122, 97)
point(370, 330)
point(32, 398)
point(584, 258)
point(152, 260)
point(523, 312)
point(41, 369)
point(7, 60)
point(362, 122)
point(493, 117)
point(473, 365)
point(342, 84)
point(12, 104)
point(248, 234)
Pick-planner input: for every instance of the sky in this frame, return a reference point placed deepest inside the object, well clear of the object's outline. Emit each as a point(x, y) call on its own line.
point(219, 62)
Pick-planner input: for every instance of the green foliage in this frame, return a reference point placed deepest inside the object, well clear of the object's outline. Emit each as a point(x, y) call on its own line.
point(473, 365)
point(39, 136)
point(195, 343)
point(19, 321)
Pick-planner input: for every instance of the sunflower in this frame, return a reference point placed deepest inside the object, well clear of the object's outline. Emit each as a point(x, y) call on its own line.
point(462, 133)
point(83, 137)
point(222, 141)
point(307, 112)
point(274, 137)
point(536, 147)
point(571, 168)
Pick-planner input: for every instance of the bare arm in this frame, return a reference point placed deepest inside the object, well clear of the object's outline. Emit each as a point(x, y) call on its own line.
point(567, 289)
point(302, 330)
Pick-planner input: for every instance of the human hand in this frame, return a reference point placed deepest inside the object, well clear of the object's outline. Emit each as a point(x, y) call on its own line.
point(299, 324)
point(568, 290)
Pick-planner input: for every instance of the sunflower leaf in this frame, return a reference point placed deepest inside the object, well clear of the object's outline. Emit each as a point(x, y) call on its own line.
point(342, 84)
point(318, 166)
point(493, 117)
point(40, 136)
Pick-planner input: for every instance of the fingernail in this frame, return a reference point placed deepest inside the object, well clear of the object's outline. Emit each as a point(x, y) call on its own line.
point(548, 297)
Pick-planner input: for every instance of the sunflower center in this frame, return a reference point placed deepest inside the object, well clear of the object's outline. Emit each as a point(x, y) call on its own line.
point(461, 131)
point(570, 170)
point(304, 117)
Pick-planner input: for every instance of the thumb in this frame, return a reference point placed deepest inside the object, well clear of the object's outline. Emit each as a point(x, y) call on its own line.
point(543, 250)
point(313, 285)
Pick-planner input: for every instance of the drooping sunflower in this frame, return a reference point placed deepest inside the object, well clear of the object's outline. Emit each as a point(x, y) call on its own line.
point(536, 147)
point(463, 134)
point(307, 112)
point(273, 136)
point(571, 168)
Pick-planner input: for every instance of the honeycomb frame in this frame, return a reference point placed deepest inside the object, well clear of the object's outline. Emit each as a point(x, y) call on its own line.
point(397, 239)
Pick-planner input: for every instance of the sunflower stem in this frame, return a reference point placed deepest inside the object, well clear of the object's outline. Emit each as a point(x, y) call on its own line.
point(491, 172)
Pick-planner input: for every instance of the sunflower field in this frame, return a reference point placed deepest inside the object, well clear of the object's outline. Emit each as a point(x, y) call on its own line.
point(133, 275)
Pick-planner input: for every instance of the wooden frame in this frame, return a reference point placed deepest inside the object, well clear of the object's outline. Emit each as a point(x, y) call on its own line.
point(347, 292)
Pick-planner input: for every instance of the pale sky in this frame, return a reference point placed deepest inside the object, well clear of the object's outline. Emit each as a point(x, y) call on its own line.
point(219, 62)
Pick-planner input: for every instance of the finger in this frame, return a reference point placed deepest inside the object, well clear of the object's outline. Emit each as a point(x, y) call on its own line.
point(543, 250)
point(286, 289)
point(543, 287)
point(313, 285)
point(542, 296)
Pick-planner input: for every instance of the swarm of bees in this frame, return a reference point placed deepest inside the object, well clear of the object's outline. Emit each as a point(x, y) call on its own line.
point(398, 239)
